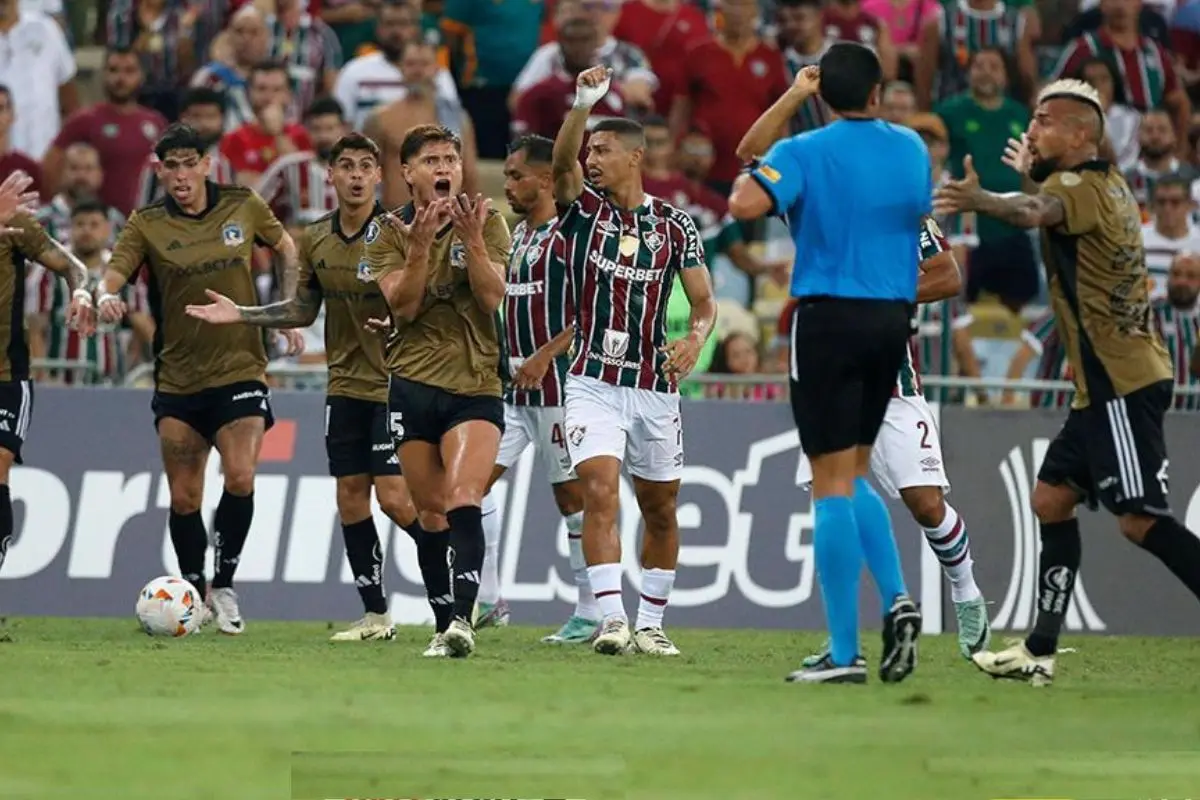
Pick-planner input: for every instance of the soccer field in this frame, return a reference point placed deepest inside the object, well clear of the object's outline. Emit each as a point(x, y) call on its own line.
point(95, 709)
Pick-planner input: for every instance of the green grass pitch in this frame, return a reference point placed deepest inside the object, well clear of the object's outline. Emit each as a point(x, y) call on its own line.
point(95, 709)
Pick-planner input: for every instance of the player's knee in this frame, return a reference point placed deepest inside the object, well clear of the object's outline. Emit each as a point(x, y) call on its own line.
point(1134, 527)
point(659, 507)
point(600, 496)
point(926, 504)
point(186, 495)
point(1053, 503)
point(239, 478)
point(432, 521)
point(568, 498)
point(354, 498)
point(461, 496)
point(396, 503)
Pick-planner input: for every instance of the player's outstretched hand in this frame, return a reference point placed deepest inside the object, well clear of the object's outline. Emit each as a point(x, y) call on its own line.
point(469, 216)
point(682, 355)
point(110, 309)
point(1017, 155)
point(293, 342)
point(374, 325)
point(221, 311)
point(532, 371)
point(15, 196)
point(961, 195)
point(591, 85)
point(427, 222)
point(808, 80)
point(81, 315)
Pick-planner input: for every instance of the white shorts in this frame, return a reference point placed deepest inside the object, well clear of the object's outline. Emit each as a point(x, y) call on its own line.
point(640, 427)
point(544, 429)
point(908, 450)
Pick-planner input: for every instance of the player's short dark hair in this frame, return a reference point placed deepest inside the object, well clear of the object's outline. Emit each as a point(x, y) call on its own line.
point(849, 74)
point(268, 67)
point(89, 205)
point(325, 107)
point(356, 142)
point(628, 130)
point(1174, 180)
point(421, 135)
point(203, 96)
point(537, 149)
point(179, 137)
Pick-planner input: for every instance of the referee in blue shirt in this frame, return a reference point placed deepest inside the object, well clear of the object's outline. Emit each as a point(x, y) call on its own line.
point(854, 194)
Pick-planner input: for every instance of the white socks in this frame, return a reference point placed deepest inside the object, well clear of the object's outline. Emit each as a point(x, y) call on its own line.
point(953, 550)
point(656, 590)
point(606, 584)
point(585, 604)
point(489, 578)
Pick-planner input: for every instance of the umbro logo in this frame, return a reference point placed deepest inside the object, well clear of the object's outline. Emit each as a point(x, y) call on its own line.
point(175, 245)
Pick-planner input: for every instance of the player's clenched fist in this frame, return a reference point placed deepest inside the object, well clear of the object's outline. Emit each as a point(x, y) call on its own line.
point(808, 80)
point(591, 85)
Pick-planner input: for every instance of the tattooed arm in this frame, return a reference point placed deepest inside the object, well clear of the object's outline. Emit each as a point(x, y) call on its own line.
point(298, 312)
point(63, 262)
point(1023, 210)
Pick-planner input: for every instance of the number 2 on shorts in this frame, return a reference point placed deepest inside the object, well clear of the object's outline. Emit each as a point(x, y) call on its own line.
point(923, 427)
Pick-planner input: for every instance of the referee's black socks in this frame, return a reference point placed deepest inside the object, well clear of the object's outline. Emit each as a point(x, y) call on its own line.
point(433, 558)
point(1062, 550)
point(467, 542)
point(231, 526)
point(190, 543)
point(1178, 548)
point(6, 521)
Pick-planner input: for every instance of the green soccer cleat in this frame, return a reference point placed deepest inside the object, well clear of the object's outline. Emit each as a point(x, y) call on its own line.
point(492, 615)
point(576, 630)
point(974, 630)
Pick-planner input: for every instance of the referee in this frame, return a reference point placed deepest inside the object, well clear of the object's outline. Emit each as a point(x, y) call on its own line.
point(854, 194)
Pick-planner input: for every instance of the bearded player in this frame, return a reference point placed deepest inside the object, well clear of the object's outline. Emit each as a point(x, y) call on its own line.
point(441, 269)
point(1111, 449)
point(357, 441)
point(209, 383)
point(538, 317)
point(623, 251)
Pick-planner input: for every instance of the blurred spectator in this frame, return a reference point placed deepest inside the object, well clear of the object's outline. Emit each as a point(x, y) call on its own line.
point(846, 21)
point(489, 43)
point(1157, 146)
point(82, 182)
point(203, 110)
point(730, 81)
point(1177, 320)
point(309, 50)
point(297, 185)
point(38, 67)
point(898, 102)
point(1041, 341)
point(372, 81)
point(122, 131)
point(1185, 43)
point(663, 30)
point(542, 108)
point(11, 159)
point(904, 21)
point(1147, 75)
point(807, 42)
point(252, 147)
point(420, 103)
point(959, 30)
point(352, 21)
point(980, 122)
point(1152, 20)
point(51, 8)
point(737, 354)
point(1121, 122)
point(249, 43)
point(631, 68)
point(1170, 231)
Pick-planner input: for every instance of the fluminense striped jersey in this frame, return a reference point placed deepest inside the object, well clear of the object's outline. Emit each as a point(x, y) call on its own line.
point(537, 307)
point(309, 50)
point(298, 189)
point(930, 243)
point(1042, 336)
point(151, 191)
point(965, 31)
point(227, 80)
point(621, 266)
point(1180, 330)
point(814, 113)
point(55, 217)
point(1147, 74)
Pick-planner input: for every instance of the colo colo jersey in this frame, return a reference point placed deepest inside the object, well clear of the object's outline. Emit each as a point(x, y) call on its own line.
point(621, 266)
point(537, 307)
point(453, 344)
point(1180, 330)
point(333, 264)
point(185, 254)
point(17, 252)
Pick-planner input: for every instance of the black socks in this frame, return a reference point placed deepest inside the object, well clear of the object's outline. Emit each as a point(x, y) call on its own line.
point(1058, 565)
point(190, 542)
point(1178, 548)
point(231, 526)
point(365, 555)
point(433, 558)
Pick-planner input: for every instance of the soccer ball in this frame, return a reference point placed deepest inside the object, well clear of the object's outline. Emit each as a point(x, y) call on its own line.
point(169, 607)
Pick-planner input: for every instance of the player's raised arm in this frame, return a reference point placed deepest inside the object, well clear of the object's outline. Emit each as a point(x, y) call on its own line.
point(693, 273)
point(773, 124)
point(771, 187)
point(940, 278)
point(128, 255)
point(1016, 208)
point(591, 85)
point(487, 241)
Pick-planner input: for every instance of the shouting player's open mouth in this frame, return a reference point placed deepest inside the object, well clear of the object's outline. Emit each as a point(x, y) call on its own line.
point(594, 175)
point(442, 188)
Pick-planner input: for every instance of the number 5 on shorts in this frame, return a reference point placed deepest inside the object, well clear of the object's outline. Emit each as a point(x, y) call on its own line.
point(396, 425)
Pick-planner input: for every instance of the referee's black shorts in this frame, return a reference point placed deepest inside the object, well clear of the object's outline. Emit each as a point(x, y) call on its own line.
point(845, 361)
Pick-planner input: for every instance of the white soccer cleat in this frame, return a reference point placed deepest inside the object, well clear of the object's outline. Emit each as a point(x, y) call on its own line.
point(614, 637)
point(371, 628)
point(1016, 663)
point(654, 642)
point(437, 647)
point(459, 638)
point(224, 604)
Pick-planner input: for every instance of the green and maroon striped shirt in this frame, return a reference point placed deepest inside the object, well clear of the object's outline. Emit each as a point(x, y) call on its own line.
point(1180, 330)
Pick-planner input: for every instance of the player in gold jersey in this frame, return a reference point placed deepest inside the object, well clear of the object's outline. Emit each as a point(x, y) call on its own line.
point(333, 270)
point(209, 383)
point(441, 267)
point(1111, 448)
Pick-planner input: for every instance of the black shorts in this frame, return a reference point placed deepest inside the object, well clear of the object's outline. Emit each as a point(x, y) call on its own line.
point(357, 441)
point(209, 410)
point(418, 412)
point(845, 361)
point(1115, 453)
point(16, 409)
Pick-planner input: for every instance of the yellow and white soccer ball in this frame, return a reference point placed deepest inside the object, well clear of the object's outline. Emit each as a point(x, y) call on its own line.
point(169, 607)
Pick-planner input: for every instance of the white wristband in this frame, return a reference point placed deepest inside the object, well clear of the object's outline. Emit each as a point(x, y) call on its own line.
point(107, 298)
point(83, 296)
point(577, 103)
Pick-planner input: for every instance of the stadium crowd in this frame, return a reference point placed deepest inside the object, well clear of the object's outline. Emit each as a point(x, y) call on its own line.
point(272, 84)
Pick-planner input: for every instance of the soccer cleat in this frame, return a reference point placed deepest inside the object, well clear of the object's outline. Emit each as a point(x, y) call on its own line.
point(437, 647)
point(492, 615)
point(224, 604)
point(371, 628)
point(901, 627)
point(974, 630)
point(614, 637)
point(576, 630)
point(825, 671)
point(654, 642)
point(206, 615)
point(1016, 663)
point(459, 638)
point(817, 657)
